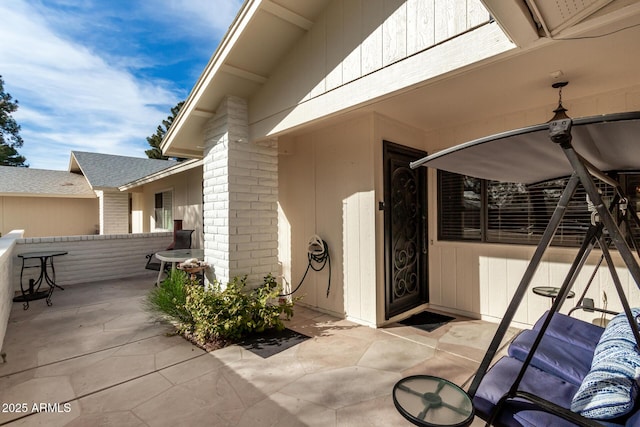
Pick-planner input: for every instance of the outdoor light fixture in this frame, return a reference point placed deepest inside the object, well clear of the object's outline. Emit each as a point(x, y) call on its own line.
point(560, 124)
point(560, 110)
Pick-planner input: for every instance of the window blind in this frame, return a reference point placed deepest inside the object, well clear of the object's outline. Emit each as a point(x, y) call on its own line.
point(490, 211)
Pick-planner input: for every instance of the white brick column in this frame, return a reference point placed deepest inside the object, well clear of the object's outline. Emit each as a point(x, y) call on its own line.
point(240, 197)
point(114, 212)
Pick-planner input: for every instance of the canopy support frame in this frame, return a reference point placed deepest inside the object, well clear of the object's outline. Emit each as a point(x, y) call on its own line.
point(560, 132)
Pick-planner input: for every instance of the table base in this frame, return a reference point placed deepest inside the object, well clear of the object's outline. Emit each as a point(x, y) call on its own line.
point(33, 296)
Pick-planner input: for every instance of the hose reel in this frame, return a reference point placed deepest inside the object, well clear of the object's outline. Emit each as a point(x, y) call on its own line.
point(318, 257)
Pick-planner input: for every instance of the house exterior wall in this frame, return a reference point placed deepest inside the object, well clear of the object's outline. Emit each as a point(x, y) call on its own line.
point(330, 184)
point(326, 188)
point(479, 279)
point(187, 203)
point(48, 216)
point(363, 49)
point(330, 178)
point(138, 213)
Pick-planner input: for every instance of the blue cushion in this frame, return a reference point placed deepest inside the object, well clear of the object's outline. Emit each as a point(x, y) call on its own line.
point(610, 388)
point(517, 413)
point(552, 356)
point(572, 331)
point(633, 421)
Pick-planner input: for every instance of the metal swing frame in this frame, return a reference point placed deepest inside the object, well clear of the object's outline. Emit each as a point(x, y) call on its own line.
point(583, 173)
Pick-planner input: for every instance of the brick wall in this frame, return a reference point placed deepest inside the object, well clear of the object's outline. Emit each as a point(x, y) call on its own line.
point(92, 258)
point(114, 212)
point(240, 197)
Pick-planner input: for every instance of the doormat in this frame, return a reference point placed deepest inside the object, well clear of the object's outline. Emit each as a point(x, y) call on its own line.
point(272, 342)
point(427, 321)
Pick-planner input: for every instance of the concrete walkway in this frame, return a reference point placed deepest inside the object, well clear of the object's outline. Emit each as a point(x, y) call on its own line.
point(95, 358)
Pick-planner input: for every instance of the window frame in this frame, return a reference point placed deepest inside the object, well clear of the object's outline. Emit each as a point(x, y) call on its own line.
point(154, 215)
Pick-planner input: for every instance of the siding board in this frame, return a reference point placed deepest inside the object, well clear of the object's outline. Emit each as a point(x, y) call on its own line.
point(334, 46)
point(372, 16)
point(420, 25)
point(449, 280)
point(394, 41)
point(353, 39)
point(450, 19)
point(352, 28)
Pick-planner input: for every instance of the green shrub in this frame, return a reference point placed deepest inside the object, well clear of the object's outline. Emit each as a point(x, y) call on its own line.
point(221, 314)
point(168, 301)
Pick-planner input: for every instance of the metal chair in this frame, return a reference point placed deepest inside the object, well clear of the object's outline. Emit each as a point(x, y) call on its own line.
point(182, 241)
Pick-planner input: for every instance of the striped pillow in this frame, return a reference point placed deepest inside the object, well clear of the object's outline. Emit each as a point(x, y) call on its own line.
point(610, 388)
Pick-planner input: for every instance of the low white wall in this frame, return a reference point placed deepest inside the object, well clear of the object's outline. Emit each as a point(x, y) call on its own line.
point(7, 245)
point(91, 258)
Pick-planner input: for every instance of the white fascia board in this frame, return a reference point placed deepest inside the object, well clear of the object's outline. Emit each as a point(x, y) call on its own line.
point(55, 196)
point(514, 17)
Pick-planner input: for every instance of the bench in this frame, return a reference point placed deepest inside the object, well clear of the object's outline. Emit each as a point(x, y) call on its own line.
point(577, 368)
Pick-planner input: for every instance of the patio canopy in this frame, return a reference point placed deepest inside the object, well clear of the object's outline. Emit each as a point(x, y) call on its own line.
point(609, 142)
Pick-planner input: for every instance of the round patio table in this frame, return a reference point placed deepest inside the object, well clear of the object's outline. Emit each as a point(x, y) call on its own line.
point(176, 256)
point(431, 401)
point(33, 292)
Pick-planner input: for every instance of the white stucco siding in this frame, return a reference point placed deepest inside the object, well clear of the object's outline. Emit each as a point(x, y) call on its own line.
point(357, 51)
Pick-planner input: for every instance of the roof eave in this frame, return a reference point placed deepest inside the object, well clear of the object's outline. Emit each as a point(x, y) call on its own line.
point(179, 168)
point(244, 16)
point(49, 195)
point(514, 18)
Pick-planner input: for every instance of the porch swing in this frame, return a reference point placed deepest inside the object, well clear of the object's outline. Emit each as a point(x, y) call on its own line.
point(564, 371)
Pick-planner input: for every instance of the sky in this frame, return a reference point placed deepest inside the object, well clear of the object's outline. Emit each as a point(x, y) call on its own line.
point(101, 75)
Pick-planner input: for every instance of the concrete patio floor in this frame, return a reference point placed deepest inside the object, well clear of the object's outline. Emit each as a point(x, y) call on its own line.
point(96, 358)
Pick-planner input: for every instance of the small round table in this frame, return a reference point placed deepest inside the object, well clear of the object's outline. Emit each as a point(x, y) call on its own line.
point(175, 256)
point(430, 401)
point(550, 292)
point(33, 292)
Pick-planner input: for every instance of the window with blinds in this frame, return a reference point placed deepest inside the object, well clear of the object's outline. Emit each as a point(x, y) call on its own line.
point(460, 207)
point(499, 212)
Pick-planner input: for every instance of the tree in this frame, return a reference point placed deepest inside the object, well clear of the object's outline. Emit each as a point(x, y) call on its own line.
point(156, 139)
point(10, 138)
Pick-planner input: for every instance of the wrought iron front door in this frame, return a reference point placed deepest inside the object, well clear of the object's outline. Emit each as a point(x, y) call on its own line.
point(405, 218)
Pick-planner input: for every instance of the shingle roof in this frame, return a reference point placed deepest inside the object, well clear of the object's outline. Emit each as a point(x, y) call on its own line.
point(16, 181)
point(111, 171)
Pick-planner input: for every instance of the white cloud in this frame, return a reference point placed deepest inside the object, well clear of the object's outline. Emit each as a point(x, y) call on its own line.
point(73, 96)
point(199, 15)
